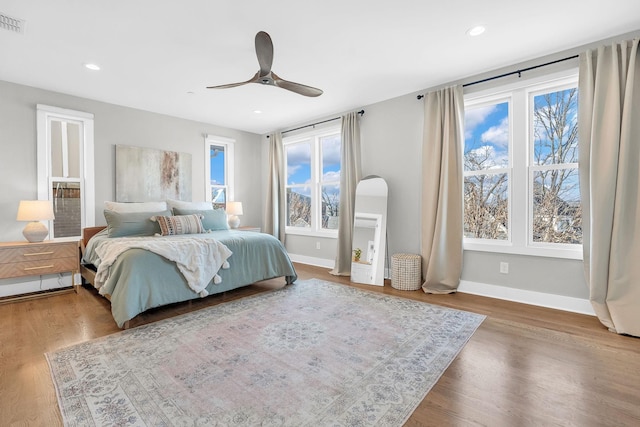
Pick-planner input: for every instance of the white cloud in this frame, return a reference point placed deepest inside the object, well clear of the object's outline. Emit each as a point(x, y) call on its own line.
point(331, 176)
point(489, 158)
point(497, 135)
point(331, 151)
point(298, 154)
point(475, 116)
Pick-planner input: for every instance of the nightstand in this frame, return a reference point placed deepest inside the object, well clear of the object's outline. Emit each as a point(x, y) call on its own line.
point(249, 228)
point(20, 259)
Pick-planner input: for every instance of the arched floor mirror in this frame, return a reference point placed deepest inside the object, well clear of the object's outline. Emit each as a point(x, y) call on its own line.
point(369, 231)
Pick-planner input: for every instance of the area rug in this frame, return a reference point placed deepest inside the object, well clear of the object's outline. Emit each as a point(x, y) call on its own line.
point(313, 353)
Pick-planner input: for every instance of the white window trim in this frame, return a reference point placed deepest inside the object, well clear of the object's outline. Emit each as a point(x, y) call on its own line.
point(315, 135)
point(229, 170)
point(44, 115)
point(520, 209)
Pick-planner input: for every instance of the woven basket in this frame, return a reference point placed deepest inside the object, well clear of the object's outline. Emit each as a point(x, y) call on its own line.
point(406, 272)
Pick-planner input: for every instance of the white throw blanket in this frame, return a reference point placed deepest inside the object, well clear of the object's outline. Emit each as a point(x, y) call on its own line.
point(199, 260)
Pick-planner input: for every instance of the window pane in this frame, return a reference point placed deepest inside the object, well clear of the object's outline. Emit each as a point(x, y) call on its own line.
point(557, 215)
point(299, 207)
point(56, 149)
point(73, 150)
point(65, 149)
point(67, 209)
point(555, 127)
point(217, 156)
point(219, 196)
point(486, 207)
point(330, 206)
point(330, 146)
point(486, 140)
point(298, 163)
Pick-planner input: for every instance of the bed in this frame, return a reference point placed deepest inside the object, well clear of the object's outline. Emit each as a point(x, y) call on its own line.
point(139, 279)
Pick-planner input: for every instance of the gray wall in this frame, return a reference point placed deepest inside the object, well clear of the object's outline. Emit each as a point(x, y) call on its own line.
point(392, 147)
point(113, 125)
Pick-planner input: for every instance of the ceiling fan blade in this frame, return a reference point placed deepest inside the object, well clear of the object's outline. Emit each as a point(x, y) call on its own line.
point(253, 79)
point(295, 87)
point(264, 52)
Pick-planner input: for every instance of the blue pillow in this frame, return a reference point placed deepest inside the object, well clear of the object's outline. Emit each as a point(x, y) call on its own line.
point(122, 224)
point(212, 220)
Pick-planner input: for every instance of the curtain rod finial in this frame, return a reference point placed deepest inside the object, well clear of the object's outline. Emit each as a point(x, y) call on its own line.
point(419, 97)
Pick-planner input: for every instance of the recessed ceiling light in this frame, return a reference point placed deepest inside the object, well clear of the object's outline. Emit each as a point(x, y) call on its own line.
point(257, 111)
point(92, 67)
point(476, 31)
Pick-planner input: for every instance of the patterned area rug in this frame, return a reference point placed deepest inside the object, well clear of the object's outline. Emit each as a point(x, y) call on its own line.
point(311, 354)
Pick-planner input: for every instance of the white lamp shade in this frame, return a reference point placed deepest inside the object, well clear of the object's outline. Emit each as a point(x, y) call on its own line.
point(234, 208)
point(35, 210)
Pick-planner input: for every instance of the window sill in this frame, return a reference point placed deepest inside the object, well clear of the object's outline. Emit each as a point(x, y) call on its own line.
point(311, 233)
point(540, 251)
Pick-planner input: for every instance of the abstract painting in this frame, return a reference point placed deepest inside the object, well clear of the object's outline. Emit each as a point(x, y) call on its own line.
point(148, 174)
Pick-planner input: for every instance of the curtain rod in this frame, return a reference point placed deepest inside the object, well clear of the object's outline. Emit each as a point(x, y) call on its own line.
point(518, 72)
point(361, 112)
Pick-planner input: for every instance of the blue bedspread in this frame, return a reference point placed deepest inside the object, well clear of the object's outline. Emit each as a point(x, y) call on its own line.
point(140, 280)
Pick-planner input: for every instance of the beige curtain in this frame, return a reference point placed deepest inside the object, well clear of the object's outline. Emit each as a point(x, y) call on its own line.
point(350, 174)
point(442, 190)
point(609, 142)
point(274, 219)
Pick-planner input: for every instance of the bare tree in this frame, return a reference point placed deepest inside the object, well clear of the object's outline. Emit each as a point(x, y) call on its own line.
point(557, 216)
point(486, 203)
point(299, 205)
point(330, 204)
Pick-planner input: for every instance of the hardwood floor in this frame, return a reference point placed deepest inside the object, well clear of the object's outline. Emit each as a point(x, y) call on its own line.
point(524, 366)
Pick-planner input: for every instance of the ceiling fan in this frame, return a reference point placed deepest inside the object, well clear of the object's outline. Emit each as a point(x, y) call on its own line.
point(264, 52)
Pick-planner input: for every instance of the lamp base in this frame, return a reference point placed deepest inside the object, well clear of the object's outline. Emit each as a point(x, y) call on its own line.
point(234, 221)
point(35, 232)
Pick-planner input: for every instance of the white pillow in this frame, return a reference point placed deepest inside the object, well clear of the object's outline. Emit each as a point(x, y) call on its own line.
point(196, 206)
point(136, 207)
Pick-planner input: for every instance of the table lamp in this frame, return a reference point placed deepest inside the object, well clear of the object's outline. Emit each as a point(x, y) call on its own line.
point(233, 210)
point(35, 211)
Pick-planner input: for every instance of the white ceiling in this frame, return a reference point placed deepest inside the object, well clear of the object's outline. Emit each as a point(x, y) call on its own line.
point(153, 53)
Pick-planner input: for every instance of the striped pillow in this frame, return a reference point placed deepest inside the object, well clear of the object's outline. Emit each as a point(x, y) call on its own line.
point(179, 224)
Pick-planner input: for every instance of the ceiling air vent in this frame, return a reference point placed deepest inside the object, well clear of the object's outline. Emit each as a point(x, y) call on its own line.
point(11, 24)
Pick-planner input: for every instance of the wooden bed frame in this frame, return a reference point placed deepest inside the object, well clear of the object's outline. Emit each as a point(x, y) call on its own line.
point(88, 274)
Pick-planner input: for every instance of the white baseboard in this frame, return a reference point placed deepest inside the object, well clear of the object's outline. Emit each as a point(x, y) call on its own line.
point(318, 262)
point(559, 302)
point(22, 285)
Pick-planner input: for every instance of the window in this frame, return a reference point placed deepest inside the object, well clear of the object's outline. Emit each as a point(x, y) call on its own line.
point(218, 153)
point(487, 171)
point(65, 168)
point(313, 166)
point(521, 189)
point(554, 188)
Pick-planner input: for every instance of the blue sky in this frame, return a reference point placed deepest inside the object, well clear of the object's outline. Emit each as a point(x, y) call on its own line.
point(487, 132)
point(217, 168)
point(299, 162)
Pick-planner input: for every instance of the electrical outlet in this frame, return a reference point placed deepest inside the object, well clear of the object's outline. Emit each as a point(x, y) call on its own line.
point(504, 267)
point(317, 245)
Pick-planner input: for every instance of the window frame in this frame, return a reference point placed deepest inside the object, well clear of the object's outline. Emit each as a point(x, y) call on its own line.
point(532, 92)
point(493, 99)
point(314, 138)
point(521, 149)
point(45, 114)
point(229, 170)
